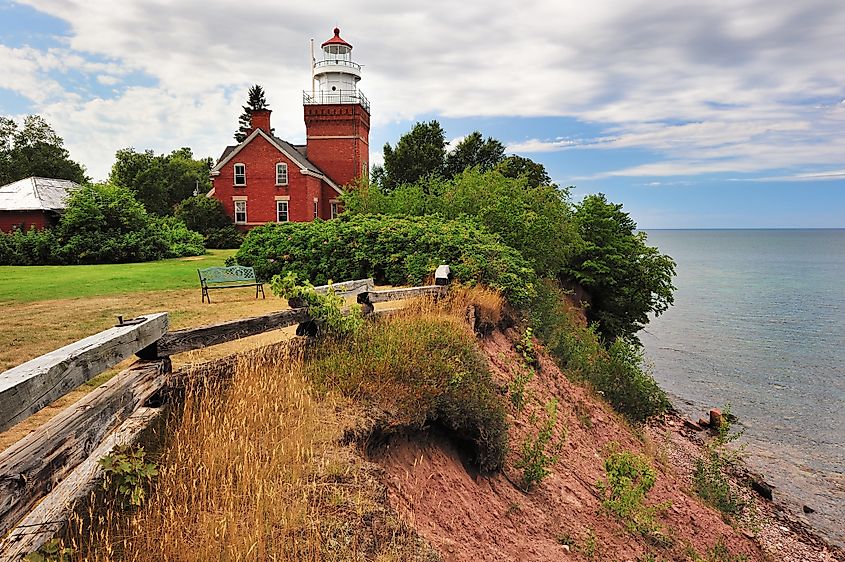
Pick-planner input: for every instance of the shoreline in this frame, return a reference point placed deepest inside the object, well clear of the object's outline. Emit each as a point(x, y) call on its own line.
point(775, 470)
point(777, 531)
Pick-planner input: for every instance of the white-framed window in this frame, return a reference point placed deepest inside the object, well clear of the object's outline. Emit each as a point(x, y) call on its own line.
point(281, 173)
point(316, 207)
point(281, 211)
point(240, 212)
point(240, 174)
point(334, 210)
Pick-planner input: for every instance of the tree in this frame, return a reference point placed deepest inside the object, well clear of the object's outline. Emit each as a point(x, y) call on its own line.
point(626, 278)
point(161, 182)
point(419, 153)
point(255, 100)
point(536, 221)
point(474, 151)
point(518, 166)
point(207, 216)
point(34, 149)
point(104, 223)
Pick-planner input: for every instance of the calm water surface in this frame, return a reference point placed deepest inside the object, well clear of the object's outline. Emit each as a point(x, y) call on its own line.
point(759, 322)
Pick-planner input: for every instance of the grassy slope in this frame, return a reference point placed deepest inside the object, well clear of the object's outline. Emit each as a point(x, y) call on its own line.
point(22, 284)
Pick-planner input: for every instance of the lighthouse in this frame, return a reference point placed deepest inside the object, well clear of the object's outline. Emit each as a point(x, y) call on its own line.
point(337, 114)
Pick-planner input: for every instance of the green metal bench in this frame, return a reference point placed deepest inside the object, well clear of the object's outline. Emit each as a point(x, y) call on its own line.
point(233, 277)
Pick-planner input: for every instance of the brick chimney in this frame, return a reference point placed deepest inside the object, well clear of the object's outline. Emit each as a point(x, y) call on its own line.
point(260, 119)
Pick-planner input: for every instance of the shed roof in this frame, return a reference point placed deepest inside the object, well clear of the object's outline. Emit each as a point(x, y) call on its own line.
point(36, 194)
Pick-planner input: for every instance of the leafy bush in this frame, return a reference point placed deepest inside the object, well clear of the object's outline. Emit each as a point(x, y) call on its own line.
point(423, 368)
point(51, 551)
point(33, 247)
point(101, 224)
point(227, 237)
point(629, 477)
point(710, 474)
point(207, 216)
point(180, 241)
point(534, 220)
point(540, 453)
point(393, 250)
point(128, 474)
point(326, 308)
point(594, 243)
point(616, 373)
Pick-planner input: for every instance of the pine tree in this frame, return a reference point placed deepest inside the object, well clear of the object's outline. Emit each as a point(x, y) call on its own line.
point(256, 101)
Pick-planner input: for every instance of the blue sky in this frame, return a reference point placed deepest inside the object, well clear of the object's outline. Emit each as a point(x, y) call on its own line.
point(705, 114)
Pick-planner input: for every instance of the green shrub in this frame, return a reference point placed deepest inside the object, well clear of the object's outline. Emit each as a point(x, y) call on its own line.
point(536, 220)
point(393, 250)
point(629, 478)
point(51, 551)
point(128, 474)
point(617, 373)
point(33, 247)
point(180, 241)
point(207, 216)
point(710, 472)
point(541, 452)
point(421, 369)
point(326, 308)
point(719, 552)
point(227, 237)
point(101, 224)
point(516, 388)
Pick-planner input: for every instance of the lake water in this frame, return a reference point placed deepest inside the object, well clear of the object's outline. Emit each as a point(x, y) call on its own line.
point(759, 322)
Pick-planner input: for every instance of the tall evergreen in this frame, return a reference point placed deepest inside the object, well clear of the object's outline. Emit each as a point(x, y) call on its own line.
point(256, 101)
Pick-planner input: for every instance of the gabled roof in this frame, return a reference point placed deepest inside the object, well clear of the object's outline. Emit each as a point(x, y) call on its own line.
point(292, 152)
point(36, 194)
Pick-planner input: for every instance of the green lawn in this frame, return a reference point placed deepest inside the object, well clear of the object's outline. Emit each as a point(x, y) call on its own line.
point(21, 284)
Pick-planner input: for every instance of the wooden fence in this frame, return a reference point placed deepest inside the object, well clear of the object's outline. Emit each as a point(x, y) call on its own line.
point(43, 475)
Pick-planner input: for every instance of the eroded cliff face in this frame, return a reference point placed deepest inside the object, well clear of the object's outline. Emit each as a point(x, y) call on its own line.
point(468, 516)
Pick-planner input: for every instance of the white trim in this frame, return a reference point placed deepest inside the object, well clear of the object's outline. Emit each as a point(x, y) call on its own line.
point(235, 174)
point(246, 141)
point(287, 177)
point(287, 210)
point(282, 198)
point(235, 217)
point(217, 167)
point(239, 197)
point(269, 139)
point(323, 177)
point(210, 193)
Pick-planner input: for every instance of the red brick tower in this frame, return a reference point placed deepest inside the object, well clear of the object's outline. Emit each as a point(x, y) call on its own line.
point(337, 114)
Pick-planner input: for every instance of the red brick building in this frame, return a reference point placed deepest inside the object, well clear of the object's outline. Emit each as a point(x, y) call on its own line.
point(266, 179)
point(33, 203)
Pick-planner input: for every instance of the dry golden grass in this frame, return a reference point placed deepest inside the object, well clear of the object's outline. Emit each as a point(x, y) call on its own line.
point(255, 470)
point(32, 329)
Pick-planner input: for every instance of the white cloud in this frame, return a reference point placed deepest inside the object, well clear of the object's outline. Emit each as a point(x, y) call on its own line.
point(743, 86)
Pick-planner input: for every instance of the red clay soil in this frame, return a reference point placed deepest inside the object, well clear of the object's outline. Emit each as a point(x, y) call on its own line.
point(470, 517)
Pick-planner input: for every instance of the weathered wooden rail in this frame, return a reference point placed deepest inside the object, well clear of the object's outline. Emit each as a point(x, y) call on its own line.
point(27, 388)
point(43, 475)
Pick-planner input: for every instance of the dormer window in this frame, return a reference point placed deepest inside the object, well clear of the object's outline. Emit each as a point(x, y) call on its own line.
point(281, 173)
point(240, 174)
